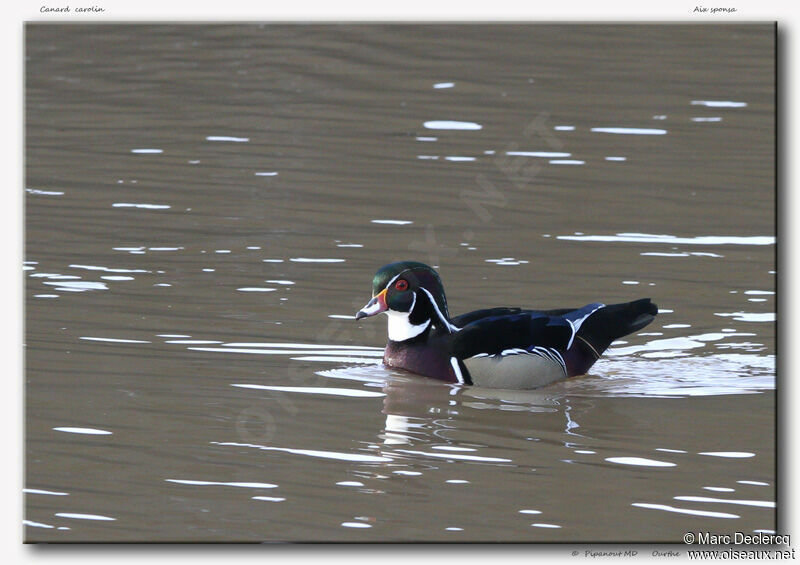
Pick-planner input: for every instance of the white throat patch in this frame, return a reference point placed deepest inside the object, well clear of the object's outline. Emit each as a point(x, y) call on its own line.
point(401, 328)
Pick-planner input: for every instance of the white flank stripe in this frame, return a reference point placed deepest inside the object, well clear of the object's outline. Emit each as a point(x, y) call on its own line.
point(457, 370)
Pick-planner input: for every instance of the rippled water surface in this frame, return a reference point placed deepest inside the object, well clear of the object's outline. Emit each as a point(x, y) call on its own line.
point(205, 208)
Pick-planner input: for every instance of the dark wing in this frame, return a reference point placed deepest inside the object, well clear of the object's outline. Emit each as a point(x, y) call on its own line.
point(469, 317)
point(520, 329)
point(493, 335)
point(496, 330)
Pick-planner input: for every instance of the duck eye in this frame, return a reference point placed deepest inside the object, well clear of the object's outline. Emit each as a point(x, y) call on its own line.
point(401, 285)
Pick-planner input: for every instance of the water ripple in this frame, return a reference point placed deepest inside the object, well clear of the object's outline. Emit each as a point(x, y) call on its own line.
point(311, 452)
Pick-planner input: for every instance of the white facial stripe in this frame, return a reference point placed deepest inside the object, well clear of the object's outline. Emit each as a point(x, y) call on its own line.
point(450, 327)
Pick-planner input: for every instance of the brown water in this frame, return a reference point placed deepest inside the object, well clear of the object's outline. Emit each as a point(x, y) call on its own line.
point(206, 206)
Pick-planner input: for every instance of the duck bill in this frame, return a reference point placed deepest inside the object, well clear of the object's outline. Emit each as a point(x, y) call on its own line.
point(374, 306)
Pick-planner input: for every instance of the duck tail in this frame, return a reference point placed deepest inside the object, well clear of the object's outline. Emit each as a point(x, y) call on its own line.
point(616, 320)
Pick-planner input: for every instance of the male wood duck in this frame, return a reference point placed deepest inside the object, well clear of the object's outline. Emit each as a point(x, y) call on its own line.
point(496, 347)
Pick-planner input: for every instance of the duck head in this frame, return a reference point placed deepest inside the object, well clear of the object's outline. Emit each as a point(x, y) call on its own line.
point(412, 295)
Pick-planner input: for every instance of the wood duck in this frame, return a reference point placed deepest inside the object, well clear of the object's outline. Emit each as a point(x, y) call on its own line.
point(496, 347)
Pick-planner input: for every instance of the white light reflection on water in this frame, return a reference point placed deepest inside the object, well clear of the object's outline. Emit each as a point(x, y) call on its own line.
point(224, 484)
point(350, 392)
point(113, 340)
point(227, 138)
point(108, 269)
point(653, 238)
point(393, 222)
point(84, 431)
point(639, 462)
point(78, 286)
point(507, 261)
point(449, 124)
point(337, 455)
point(193, 341)
point(543, 154)
point(758, 503)
point(143, 206)
point(301, 345)
point(33, 524)
point(333, 359)
point(631, 131)
point(459, 457)
point(679, 254)
point(345, 354)
point(45, 492)
point(668, 508)
point(84, 516)
point(53, 276)
point(749, 316)
point(44, 192)
point(719, 103)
